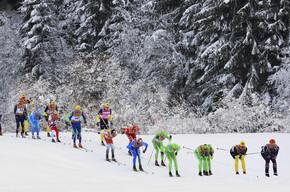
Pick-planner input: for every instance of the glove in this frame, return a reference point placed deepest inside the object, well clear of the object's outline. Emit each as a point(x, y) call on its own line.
point(170, 137)
point(98, 124)
point(157, 137)
point(31, 102)
point(85, 122)
point(72, 123)
point(144, 150)
point(162, 153)
point(175, 153)
point(16, 117)
point(111, 123)
point(99, 132)
point(274, 157)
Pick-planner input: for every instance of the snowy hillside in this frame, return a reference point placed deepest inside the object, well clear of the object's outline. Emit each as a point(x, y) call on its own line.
point(30, 166)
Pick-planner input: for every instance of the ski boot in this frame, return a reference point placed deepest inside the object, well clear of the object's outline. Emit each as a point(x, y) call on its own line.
point(33, 137)
point(156, 163)
point(200, 174)
point(107, 158)
point(38, 137)
point(17, 134)
point(102, 143)
point(170, 174)
point(237, 173)
point(162, 163)
point(53, 140)
point(80, 145)
point(26, 134)
point(276, 174)
point(134, 168)
point(75, 146)
point(177, 175)
point(48, 135)
point(244, 173)
point(22, 135)
point(58, 140)
point(140, 168)
point(205, 173)
point(129, 152)
point(113, 158)
point(267, 175)
point(210, 173)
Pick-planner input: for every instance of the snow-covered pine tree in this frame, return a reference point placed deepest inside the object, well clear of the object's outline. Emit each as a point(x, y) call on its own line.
point(38, 31)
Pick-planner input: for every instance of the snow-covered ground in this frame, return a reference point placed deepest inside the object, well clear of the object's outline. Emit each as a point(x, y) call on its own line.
point(38, 165)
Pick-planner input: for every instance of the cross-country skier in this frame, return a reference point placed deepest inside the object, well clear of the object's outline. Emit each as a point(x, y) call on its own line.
point(108, 136)
point(75, 120)
point(171, 151)
point(239, 152)
point(0, 124)
point(131, 134)
point(34, 119)
point(269, 153)
point(20, 114)
point(68, 124)
point(134, 147)
point(49, 110)
point(53, 117)
point(158, 145)
point(26, 102)
point(105, 114)
point(204, 154)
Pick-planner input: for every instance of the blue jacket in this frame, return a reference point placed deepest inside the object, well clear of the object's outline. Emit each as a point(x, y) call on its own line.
point(131, 146)
point(72, 114)
point(273, 152)
point(35, 117)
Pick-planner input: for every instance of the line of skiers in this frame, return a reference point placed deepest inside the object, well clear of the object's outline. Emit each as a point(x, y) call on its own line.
point(204, 153)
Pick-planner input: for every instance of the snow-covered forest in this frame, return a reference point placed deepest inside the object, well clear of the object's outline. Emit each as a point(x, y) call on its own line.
point(198, 65)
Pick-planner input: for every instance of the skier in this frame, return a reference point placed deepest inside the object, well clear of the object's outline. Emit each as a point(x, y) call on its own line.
point(158, 144)
point(171, 151)
point(20, 114)
point(239, 152)
point(53, 117)
point(34, 120)
point(204, 153)
point(105, 114)
point(68, 124)
point(0, 124)
point(26, 102)
point(131, 134)
point(108, 136)
point(75, 120)
point(269, 153)
point(49, 110)
point(134, 147)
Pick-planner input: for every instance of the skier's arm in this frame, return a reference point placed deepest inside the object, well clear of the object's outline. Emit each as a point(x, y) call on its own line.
point(277, 151)
point(146, 145)
point(84, 117)
point(72, 113)
point(46, 109)
point(15, 109)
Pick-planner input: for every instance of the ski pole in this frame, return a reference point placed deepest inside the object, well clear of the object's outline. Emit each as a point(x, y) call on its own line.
point(222, 149)
point(150, 156)
point(157, 124)
point(188, 148)
point(103, 120)
point(253, 153)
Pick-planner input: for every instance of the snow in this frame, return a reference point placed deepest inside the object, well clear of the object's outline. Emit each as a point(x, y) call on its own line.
point(29, 165)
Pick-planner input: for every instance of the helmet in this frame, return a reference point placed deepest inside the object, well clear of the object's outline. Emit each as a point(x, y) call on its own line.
point(272, 141)
point(52, 103)
point(20, 99)
point(113, 132)
point(135, 128)
point(107, 105)
point(140, 142)
point(23, 95)
point(205, 147)
point(174, 146)
point(163, 134)
point(242, 144)
point(38, 112)
point(78, 107)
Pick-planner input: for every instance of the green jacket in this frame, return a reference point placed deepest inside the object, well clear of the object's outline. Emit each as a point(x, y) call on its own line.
point(169, 149)
point(159, 140)
point(200, 152)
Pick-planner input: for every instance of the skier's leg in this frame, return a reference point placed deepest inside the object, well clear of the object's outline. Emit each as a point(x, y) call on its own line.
point(79, 130)
point(112, 150)
point(237, 163)
point(274, 165)
point(175, 161)
point(52, 132)
point(134, 157)
point(75, 132)
point(209, 163)
point(22, 124)
point(56, 130)
point(243, 163)
point(32, 126)
point(37, 127)
point(200, 162)
point(169, 160)
point(155, 145)
point(17, 125)
point(25, 126)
